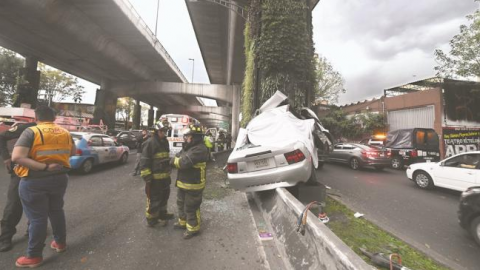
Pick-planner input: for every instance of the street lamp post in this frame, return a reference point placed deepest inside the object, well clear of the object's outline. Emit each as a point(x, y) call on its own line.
point(156, 21)
point(193, 67)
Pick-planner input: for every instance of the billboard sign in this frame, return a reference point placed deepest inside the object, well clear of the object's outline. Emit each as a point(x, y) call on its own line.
point(460, 140)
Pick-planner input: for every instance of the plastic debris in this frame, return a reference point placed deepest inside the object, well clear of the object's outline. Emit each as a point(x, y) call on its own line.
point(323, 218)
point(327, 187)
point(265, 236)
point(358, 215)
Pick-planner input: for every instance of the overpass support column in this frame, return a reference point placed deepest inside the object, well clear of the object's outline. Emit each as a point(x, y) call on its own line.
point(105, 106)
point(151, 119)
point(27, 89)
point(137, 111)
point(235, 111)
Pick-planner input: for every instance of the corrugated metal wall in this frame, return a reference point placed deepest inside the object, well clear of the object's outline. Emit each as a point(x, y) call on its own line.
point(423, 117)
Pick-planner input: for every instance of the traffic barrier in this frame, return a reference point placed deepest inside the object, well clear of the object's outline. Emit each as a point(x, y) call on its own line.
point(319, 248)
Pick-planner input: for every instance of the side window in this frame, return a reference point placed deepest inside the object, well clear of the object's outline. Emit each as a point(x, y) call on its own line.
point(432, 138)
point(420, 138)
point(95, 141)
point(348, 147)
point(467, 161)
point(124, 136)
point(108, 142)
point(338, 147)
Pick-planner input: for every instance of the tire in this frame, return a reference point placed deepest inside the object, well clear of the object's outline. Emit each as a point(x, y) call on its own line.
point(123, 159)
point(379, 168)
point(86, 166)
point(354, 163)
point(423, 180)
point(397, 162)
point(475, 229)
point(312, 181)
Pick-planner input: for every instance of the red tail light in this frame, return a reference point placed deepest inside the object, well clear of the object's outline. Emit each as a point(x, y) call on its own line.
point(369, 154)
point(79, 152)
point(414, 153)
point(294, 156)
point(232, 168)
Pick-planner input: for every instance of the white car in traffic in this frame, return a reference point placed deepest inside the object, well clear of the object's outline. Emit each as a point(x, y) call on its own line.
point(457, 172)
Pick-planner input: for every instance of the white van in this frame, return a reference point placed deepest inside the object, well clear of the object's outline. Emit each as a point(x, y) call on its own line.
point(175, 136)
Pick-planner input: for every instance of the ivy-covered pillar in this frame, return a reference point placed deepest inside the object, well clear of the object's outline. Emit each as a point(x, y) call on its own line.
point(279, 54)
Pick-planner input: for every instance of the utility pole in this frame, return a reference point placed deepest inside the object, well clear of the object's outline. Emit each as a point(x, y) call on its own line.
point(193, 67)
point(156, 21)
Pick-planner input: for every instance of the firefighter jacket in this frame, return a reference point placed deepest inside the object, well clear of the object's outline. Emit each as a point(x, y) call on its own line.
point(155, 159)
point(51, 144)
point(191, 163)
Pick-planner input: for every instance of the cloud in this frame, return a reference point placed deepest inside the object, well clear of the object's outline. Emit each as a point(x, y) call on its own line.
point(380, 44)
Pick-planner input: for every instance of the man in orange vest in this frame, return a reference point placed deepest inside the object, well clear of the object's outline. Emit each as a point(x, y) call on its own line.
point(42, 154)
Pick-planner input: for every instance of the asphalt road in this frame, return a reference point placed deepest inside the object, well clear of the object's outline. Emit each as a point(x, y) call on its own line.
point(106, 228)
point(425, 219)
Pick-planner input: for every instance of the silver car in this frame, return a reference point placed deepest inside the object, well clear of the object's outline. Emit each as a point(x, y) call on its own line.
point(257, 168)
point(359, 155)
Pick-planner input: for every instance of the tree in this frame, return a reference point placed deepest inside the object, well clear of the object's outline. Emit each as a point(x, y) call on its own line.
point(58, 85)
point(125, 109)
point(464, 57)
point(10, 63)
point(329, 81)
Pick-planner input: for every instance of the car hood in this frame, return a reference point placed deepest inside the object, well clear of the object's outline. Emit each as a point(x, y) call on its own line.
point(278, 128)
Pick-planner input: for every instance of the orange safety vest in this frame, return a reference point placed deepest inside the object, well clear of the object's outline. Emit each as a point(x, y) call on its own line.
point(51, 144)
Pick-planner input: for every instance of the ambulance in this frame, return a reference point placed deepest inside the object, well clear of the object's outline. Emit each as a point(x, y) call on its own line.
point(175, 136)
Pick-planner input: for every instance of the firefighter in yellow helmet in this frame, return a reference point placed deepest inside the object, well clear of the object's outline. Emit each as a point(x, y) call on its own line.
point(191, 163)
point(155, 171)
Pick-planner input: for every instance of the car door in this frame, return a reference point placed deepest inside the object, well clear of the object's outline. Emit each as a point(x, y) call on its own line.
point(96, 147)
point(458, 173)
point(110, 149)
point(347, 152)
point(335, 155)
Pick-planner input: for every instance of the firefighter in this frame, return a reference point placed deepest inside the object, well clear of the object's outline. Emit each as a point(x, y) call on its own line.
point(191, 163)
point(13, 208)
point(208, 143)
point(155, 171)
point(221, 140)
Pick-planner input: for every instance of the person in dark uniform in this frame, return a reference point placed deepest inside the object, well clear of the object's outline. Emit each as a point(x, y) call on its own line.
point(191, 163)
point(12, 213)
point(140, 139)
point(155, 171)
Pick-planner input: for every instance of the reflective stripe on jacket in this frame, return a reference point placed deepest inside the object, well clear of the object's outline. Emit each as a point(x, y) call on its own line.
point(51, 144)
point(192, 166)
point(155, 158)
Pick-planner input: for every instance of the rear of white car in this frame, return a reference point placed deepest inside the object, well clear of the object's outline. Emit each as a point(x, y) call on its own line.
point(256, 168)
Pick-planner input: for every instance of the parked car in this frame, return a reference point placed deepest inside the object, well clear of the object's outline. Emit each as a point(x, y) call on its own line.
point(469, 212)
point(413, 145)
point(126, 138)
point(359, 155)
point(94, 149)
point(457, 172)
point(277, 149)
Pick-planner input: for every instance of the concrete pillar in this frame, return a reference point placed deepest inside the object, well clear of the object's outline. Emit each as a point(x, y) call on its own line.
point(137, 111)
point(27, 89)
point(105, 106)
point(151, 117)
point(235, 111)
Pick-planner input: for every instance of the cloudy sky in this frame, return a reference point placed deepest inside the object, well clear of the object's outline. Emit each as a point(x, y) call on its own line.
point(374, 44)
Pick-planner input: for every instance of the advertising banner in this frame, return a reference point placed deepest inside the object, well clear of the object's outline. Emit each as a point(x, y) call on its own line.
point(460, 140)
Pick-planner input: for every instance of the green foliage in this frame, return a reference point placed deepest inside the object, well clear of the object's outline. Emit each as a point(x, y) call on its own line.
point(10, 63)
point(464, 57)
point(248, 81)
point(285, 50)
point(125, 108)
point(58, 85)
point(353, 128)
point(360, 233)
point(329, 82)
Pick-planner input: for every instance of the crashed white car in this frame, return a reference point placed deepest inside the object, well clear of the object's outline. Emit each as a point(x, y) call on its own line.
point(277, 149)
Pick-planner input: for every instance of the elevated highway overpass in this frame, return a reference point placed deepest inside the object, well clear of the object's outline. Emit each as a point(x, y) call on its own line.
point(102, 41)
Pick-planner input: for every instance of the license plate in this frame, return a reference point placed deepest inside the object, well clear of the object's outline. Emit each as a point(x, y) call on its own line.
point(261, 163)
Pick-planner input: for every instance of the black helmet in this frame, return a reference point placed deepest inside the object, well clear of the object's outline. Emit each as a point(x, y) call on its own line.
point(193, 130)
point(162, 125)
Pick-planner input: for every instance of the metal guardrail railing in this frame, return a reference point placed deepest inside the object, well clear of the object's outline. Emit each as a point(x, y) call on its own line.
point(155, 40)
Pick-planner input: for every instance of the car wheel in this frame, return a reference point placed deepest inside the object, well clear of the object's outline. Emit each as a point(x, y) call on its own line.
point(124, 158)
point(87, 166)
point(423, 180)
point(379, 168)
point(354, 163)
point(397, 163)
point(475, 229)
point(312, 181)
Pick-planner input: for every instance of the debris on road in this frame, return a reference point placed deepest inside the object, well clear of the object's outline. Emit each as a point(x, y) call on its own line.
point(358, 215)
